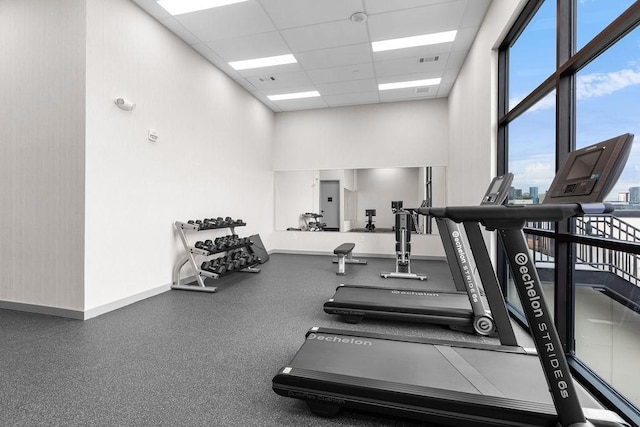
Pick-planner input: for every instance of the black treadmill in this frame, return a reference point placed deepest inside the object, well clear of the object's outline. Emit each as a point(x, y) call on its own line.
point(466, 309)
point(457, 383)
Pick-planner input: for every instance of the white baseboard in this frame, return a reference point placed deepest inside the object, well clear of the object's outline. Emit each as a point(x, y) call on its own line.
point(97, 311)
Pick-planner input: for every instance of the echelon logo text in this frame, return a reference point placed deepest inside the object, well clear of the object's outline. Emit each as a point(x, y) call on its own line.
point(341, 340)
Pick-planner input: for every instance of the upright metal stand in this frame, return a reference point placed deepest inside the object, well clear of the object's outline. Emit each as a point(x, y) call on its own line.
point(403, 249)
point(189, 258)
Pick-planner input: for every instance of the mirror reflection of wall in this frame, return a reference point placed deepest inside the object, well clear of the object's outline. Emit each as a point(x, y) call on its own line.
point(377, 188)
point(298, 193)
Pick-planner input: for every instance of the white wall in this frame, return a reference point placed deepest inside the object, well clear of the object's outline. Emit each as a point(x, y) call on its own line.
point(42, 56)
point(303, 184)
point(377, 188)
point(473, 109)
point(473, 112)
point(412, 133)
point(212, 158)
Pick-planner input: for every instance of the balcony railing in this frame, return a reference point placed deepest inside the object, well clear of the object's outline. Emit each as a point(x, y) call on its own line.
point(623, 264)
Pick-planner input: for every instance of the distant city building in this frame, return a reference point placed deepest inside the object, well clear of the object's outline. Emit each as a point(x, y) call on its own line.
point(623, 196)
point(533, 194)
point(634, 195)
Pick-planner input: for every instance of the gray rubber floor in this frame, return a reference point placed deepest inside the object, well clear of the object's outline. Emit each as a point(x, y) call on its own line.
point(190, 358)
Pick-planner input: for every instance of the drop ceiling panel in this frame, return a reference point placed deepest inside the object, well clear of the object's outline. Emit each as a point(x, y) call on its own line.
point(322, 36)
point(380, 6)
point(212, 57)
point(409, 93)
point(301, 104)
point(334, 54)
point(277, 69)
point(473, 16)
point(340, 74)
point(455, 61)
point(250, 47)
point(299, 13)
point(397, 67)
point(179, 30)
point(409, 77)
point(413, 52)
point(354, 86)
point(464, 39)
point(235, 20)
point(271, 81)
point(421, 20)
point(352, 99)
point(335, 57)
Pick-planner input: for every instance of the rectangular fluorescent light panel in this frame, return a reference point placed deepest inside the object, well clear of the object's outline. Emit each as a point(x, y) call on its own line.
point(178, 7)
point(405, 42)
point(296, 95)
point(269, 61)
point(412, 83)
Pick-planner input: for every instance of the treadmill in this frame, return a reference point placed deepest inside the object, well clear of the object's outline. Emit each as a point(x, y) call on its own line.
point(465, 309)
point(463, 384)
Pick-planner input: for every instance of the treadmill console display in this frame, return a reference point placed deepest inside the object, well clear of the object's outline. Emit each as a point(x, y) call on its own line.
point(498, 190)
point(589, 174)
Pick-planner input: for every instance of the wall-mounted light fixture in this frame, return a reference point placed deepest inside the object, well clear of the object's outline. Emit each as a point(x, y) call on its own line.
point(124, 104)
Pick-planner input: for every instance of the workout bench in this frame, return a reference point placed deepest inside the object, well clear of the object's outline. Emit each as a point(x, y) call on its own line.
point(345, 256)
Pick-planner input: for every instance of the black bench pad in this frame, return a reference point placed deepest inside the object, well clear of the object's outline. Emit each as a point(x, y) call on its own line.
point(344, 249)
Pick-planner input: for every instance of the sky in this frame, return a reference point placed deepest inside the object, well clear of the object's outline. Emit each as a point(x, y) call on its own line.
point(607, 90)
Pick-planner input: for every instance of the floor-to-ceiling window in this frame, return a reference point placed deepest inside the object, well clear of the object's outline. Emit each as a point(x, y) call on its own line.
point(570, 77)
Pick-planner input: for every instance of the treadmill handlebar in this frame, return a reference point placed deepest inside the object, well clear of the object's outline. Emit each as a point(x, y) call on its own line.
point(517, 213)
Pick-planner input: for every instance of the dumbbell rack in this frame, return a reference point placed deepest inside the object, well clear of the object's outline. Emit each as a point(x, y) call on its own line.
point(190, 257)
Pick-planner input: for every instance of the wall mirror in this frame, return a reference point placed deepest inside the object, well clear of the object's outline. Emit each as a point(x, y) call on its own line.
point(355, 200)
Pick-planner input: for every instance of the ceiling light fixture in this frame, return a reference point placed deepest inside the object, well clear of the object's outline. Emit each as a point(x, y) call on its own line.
point(179, 7)
point(296, 95)
point(269, 61)
point(405, 42)
point(413, 83)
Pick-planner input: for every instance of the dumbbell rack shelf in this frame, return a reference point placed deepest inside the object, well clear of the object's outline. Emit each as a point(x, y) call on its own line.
point(190, 257)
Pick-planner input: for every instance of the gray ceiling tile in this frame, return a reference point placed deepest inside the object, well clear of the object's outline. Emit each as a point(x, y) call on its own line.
point(352, 99)
point(381, 6)
point(250, 47)
point(322, 36)
point(236, 20)
point(179, 30)
point(301, 104)
point(412, 22)
point(334, 54)
point(280, 81)
point(432, 65)
point(335, 57)
point(298, 13)
point(353, 86)
point(339, 74)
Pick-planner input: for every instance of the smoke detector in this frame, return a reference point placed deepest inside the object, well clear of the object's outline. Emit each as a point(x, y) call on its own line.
point(358, 17)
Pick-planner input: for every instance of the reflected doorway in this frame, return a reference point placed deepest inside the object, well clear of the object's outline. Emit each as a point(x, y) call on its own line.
point(330, 204)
